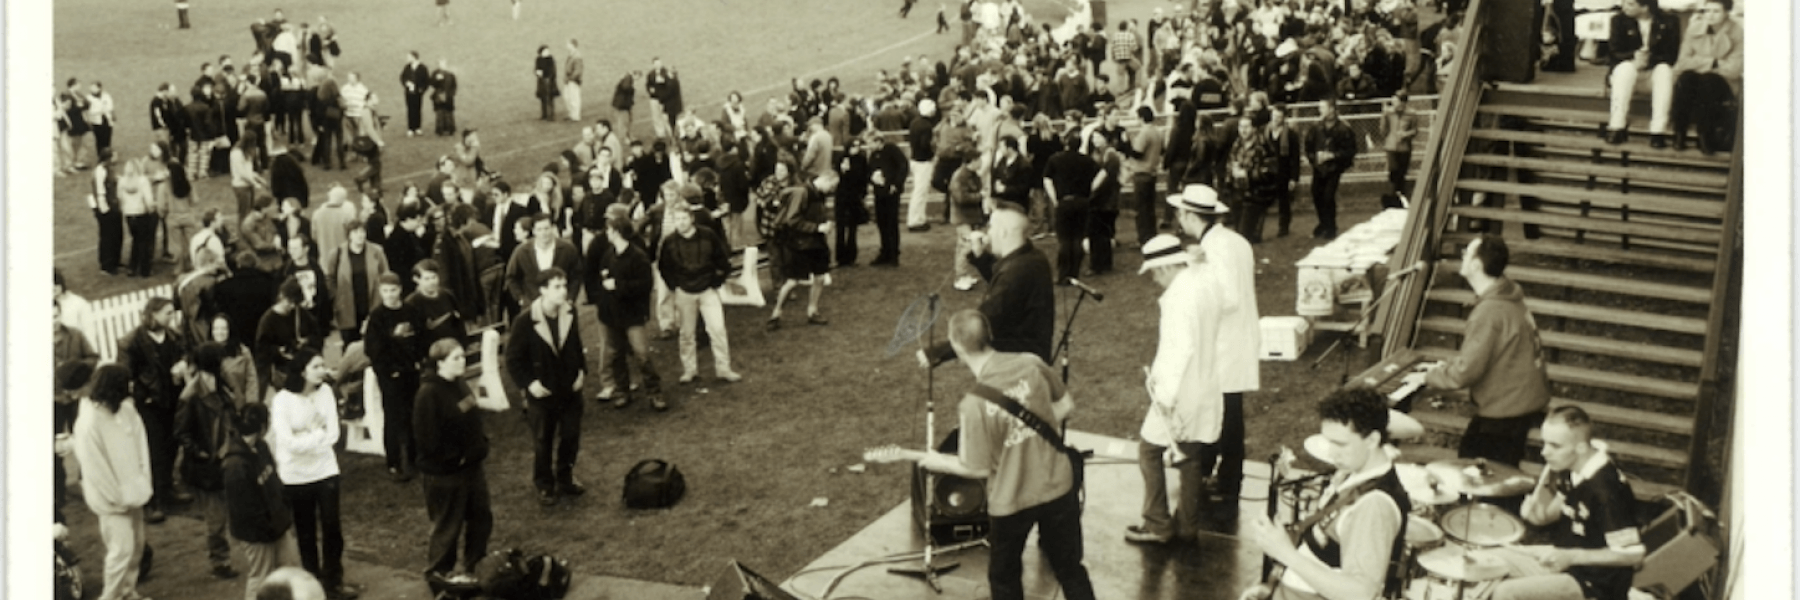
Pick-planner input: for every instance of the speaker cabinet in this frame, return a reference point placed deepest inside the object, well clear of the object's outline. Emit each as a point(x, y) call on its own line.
point(957, 509)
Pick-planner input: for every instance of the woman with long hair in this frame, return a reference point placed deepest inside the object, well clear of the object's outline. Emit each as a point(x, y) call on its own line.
point(174, 200)
point(112, 447)
point(237, 367)
point(303, 427)
point(137, 201)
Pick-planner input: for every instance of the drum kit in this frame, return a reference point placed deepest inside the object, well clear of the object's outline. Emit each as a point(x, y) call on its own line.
point(1454, 537)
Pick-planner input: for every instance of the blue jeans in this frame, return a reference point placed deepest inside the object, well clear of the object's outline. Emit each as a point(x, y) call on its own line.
point(1059, 536)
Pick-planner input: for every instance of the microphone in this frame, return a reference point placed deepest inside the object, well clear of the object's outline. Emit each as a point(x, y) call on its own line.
point(1098, 297)
point(1416, 267)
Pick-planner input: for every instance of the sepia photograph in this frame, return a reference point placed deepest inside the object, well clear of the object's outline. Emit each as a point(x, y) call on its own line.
point(852, 299)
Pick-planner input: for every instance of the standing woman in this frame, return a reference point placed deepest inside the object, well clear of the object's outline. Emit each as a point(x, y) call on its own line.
point(545, 71)
point(732, 116)
point(303, 427)
point(137, 201)
point(112, 446)
point(203, 425)
point(105, 200)
point(237, 368)
point(294, 95)
point(173, 199)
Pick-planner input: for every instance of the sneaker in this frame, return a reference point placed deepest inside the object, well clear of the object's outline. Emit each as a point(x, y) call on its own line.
point(730, 377)
point(658, 403)
point(1138, 535)
point(224, 572)
point(546, 498)
point(817, 319)
point(686, 378)
point(773, 324)
point(571, 489)
point(965, 283)
point(621, 402)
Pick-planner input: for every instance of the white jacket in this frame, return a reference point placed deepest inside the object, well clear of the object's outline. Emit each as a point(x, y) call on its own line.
point(1184, 378)
point(302, 431)
point(114, 455)
point(1240, 336)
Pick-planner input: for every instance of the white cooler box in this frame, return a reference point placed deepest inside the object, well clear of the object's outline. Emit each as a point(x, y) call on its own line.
point(1285, 338)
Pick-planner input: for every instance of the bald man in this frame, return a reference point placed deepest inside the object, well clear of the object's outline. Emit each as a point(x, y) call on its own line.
point(1020, 303)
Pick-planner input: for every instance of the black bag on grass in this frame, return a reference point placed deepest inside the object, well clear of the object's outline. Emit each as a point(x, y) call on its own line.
point(511, 575)
point(654, 483)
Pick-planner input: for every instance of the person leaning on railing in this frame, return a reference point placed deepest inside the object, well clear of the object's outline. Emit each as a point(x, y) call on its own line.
point(1707, 77)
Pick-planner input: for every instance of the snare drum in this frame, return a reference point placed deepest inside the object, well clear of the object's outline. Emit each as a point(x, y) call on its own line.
point(1482, 525)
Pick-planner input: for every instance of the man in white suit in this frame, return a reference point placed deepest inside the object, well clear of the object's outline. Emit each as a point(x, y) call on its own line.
point(1186, 404)
point(1240, 334)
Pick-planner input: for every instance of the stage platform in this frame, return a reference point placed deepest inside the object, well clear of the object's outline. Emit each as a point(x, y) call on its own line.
point(1217, 566)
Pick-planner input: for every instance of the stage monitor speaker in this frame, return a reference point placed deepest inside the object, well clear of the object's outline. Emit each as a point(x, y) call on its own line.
point(958, 506)
point(740, 583)
point(1098, 10)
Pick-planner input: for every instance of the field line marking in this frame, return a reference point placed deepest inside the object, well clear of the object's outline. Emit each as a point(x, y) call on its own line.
point(564, 141)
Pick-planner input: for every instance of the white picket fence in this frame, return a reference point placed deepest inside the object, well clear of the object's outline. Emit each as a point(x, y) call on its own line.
point(112, 318)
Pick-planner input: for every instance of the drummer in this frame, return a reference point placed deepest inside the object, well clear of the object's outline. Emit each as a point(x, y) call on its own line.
point(1349, 546)
point(1585, 495)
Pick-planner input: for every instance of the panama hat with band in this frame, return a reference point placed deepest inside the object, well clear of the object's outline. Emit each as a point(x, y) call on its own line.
point(1199, 198)
point(1163, 250)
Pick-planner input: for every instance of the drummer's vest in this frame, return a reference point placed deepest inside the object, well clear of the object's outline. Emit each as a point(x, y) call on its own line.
point(1330, 551)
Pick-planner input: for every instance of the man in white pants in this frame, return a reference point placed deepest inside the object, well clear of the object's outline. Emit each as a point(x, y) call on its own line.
point(572, 68)
point(693, 263)
point(919, 139)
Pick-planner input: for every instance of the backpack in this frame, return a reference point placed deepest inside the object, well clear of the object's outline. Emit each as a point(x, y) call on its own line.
point(511, 575)
point(654, 483)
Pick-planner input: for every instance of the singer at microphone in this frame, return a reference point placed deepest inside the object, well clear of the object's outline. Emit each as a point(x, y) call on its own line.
point(1020, 299)
point(1414, 268)
point(1098, 297)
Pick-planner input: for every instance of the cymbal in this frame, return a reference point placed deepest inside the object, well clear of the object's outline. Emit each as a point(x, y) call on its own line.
point(1480, 477)
point(1402, 426)
point(1455, 563)
point(1423, 487)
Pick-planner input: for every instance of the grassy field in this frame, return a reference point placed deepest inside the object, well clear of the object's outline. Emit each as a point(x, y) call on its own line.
point(755, 453)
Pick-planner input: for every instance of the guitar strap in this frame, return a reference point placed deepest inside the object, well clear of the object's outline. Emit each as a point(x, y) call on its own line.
point(1044, 430)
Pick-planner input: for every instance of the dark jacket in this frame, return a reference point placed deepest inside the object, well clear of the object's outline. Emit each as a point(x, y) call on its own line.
point(253, 493)
point(1020, 303)
point(287, 179)
point(1627, 39)
point(244, 297)
point(734, 181)
point(152, 384)
point(404, 249)
point(890, 162)
point(694, 264)
point(1502, 358)
point(1332, 136)
point(628, 303)
point(203, 426)
point(419, 76)
point(919, 138)
point(522, 270)
point(448, 438)
point(443, 90)
point(392, 338)
point(278, 336)
point(624, 94)
point(553, 357)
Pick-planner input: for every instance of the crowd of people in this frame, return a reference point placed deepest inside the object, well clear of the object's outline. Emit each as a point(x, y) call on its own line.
point(1027, 131)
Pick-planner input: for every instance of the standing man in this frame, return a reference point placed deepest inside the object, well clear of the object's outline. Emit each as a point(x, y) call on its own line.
point(572, 71)
point(1186, 405)
point(1331, 147)
point(261, 522)
point(1031, 484)
point(168, 122)
point(1586, 501)
point(1348, 553)
point(100, 116)
point(888, 170)
point(155, 354)
point(1501, 362)
point(546, 251)
point(1287, 165)
point(545, 356)
point(1020, 302)
point(1239, 353)
point(393, 332)
point(624, 96)
point(1145, 152)
point(359, 110)
point(919, 139)
point(443, 98)
point(1069, 180)
point(452, 449)
point(181, 13)
point(694, 263)
point(415, 79)
point(1397, 132)
point(203, 424)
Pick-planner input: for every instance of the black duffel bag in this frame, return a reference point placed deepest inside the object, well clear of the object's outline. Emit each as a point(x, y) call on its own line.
point(654, 483)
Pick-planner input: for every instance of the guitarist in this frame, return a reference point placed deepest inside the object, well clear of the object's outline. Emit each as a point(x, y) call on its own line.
point(1347, 547)
point(1031, 481)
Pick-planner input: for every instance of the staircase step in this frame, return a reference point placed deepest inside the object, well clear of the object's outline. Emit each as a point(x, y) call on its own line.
point(1585, 312)
point(1631, 384)
point(1613, 285)
point(1589, 237)
point(1692, 159)
point(1700, 234)
point(1656, 203)
point(1589, 142)
point(1715, 181)
point(1586, 344)
point(1596, 252)
point(1628, 451)
point(1606, 184)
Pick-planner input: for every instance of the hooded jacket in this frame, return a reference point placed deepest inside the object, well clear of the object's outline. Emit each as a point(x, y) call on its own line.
point(1502, 359)
point(253, 498)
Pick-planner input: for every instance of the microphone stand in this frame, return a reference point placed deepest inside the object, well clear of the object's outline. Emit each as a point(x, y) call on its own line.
point(1068, 325)
point(928, 571)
